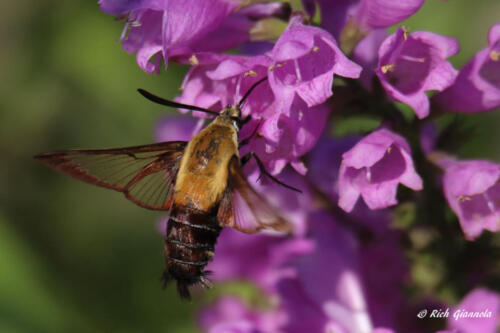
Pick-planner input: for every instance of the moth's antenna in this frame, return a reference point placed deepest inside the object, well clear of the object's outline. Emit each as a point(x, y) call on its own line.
point(250, 90)
point(166, 102)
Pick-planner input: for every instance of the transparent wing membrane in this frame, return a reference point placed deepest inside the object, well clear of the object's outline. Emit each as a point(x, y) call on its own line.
point(145, 174)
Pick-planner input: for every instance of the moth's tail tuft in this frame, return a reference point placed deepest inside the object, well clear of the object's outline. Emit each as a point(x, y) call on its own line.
point(182, 284)
point(183, 289)
point(185, 283)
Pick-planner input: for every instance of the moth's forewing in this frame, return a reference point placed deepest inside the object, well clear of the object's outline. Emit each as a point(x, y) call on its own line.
point(145, 174)
point(246, 210)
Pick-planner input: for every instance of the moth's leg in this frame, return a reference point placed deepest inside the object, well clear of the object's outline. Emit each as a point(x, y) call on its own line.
point(246, 120)
point(247, 140)
point(263, 170)
point(206, 282)
point(245, 159)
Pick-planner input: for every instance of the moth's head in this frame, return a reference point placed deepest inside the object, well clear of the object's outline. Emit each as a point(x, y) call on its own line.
point(232, 114)
point(231, 111)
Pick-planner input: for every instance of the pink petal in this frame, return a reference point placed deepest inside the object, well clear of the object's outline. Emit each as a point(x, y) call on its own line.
point(348, 193)
point(384, 13)
point(381, 195)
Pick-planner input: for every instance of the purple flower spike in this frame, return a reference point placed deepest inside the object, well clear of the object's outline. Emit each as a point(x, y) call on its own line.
point(483, 305)
point(472, 189)
point(411, 64)
point(477, 87)
point(305, 59)
point(373, 168)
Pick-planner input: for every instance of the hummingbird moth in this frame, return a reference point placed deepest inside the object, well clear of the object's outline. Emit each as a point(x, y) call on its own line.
point(200, 182)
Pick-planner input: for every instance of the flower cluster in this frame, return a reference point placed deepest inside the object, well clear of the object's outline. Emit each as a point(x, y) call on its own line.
point(344, 269)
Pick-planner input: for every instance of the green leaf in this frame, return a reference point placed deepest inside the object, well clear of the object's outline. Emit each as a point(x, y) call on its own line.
point(359, 124)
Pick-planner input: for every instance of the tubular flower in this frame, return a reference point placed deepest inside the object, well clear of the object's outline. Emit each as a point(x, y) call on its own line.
point(329, 292)
point(365, 15)
point(479, 311)
point(166, 29)
point(337, 300)
point(365, 54)
point(305, 59)
point(411, 64)
point(472, 189)
point(288, 134)
point(267, 255)
point(373, 168)
point(218, 80)
point(324, 164)
point(477, 87)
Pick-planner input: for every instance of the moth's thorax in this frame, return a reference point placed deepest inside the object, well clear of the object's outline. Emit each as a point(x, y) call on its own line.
point(203, 170)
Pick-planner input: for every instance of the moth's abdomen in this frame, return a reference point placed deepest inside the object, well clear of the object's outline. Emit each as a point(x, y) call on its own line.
point(189, 245)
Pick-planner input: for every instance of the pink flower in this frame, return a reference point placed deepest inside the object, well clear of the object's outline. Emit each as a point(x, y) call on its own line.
point(287, 134)
point(329, 291)
point(365, 54)
point(218, 80)
point(365, 14)
point(411, 64)
point(286, 130)
point(324, 163)
point(484, 307)
point(305, 58)
point(477, 87)
point(318, 283)
point(262, 258)
point(373, 168)
point(327, 282)
point(166, 29)
point(259, 258)
point(472, 189)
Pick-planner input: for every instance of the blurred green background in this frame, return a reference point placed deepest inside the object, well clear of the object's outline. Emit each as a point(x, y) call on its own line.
point(74, 257)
